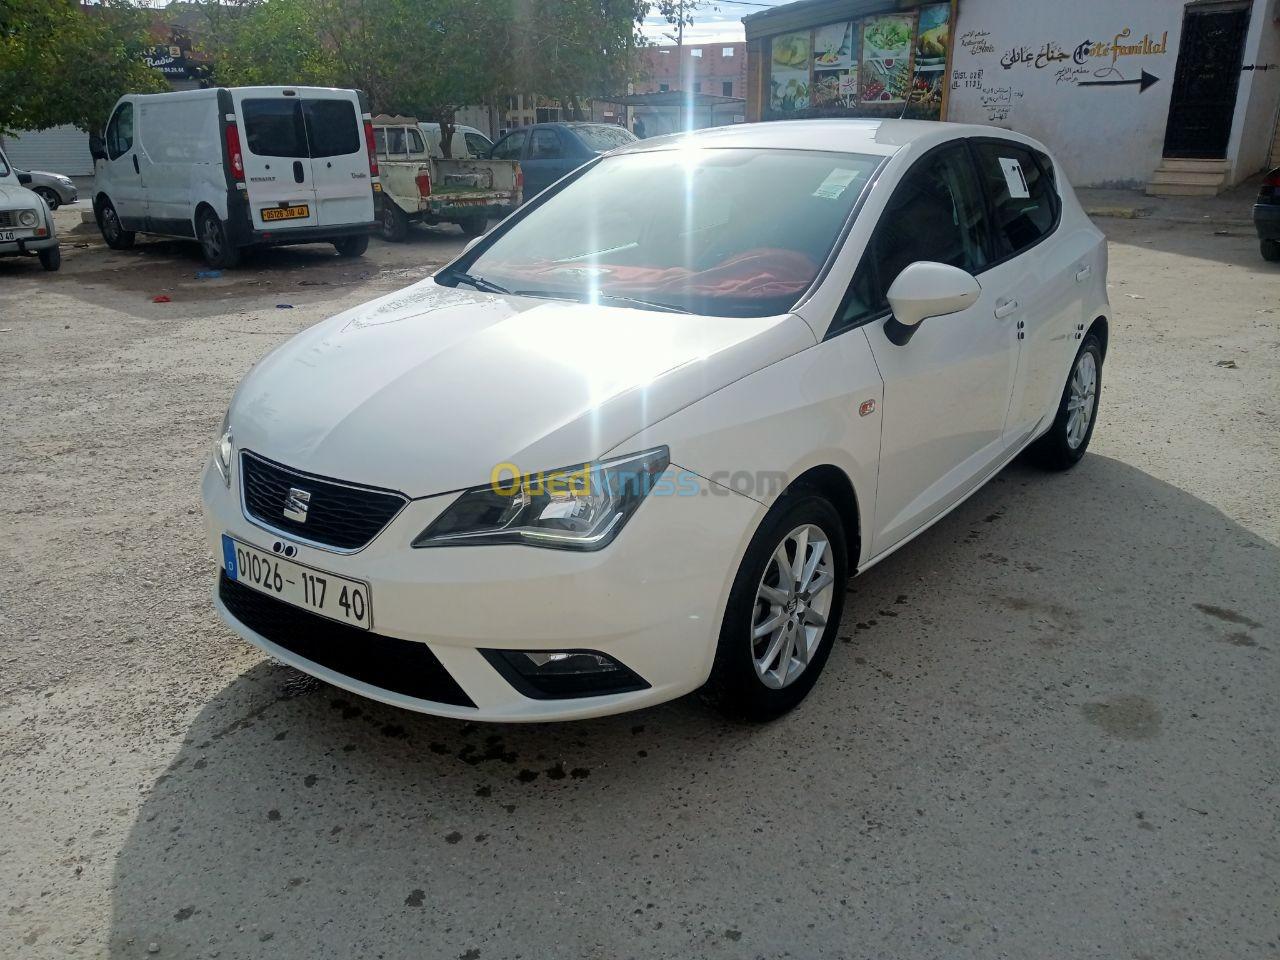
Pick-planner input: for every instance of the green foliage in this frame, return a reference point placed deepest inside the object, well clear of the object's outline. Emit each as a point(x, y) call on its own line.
point(63, 63)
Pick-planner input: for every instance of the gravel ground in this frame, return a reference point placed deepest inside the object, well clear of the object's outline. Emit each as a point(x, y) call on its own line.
point(1049, 729)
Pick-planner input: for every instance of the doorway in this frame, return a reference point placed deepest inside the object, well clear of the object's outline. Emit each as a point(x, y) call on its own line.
point(1205, 80)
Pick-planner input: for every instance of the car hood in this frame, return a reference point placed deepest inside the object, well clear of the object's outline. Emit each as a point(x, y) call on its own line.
point(14, 196)
point(428, 389)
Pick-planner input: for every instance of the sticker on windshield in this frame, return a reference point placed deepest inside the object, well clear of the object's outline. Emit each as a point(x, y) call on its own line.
point(1014, 179)
point(837, 182)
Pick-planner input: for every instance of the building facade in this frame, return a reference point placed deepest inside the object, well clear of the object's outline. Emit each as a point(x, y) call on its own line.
point(715, 69)
point(1178, 97)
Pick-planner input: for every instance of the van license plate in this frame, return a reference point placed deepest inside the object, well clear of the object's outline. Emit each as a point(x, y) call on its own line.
point(296, 212)
point(7, 235)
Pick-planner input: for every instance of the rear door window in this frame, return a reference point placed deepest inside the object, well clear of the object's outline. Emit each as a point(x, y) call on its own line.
point(332, 128)
point(273, 127)
point(1024, 201)
point(545, 145)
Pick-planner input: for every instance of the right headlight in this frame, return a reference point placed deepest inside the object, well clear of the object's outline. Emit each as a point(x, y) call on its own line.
point(28, 218)
point(574, 508)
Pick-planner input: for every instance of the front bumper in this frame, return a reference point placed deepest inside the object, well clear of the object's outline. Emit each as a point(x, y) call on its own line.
point(1266, 218)
point(12, 248)
point(653, 599)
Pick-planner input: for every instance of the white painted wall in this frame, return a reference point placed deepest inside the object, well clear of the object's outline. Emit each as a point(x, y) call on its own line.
point(1255, 124)
point(1102, 135)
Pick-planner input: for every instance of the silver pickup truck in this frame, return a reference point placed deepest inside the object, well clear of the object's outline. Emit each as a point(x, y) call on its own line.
point(419, 187)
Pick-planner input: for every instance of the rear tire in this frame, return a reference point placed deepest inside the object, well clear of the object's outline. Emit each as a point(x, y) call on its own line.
point(395, 223)
point(474, 226)
point(50, 258)
point(778, 628)
point(113, 232)
point(352, 246)
point(50, 197)
point(1271, 250)
point(1068, 438)
point(219, 252)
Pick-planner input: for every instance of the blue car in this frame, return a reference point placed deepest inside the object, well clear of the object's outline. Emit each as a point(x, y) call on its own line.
point(547, 151)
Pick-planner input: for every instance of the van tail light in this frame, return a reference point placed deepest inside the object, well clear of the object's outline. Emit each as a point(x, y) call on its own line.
point(234, 154)
point(424, 183)
point(373, 151)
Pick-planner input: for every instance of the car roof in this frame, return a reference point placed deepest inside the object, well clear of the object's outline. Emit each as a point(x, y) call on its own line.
point(843, 135)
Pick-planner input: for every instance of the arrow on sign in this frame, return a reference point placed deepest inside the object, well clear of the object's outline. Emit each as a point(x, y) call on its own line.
point(1143, 82)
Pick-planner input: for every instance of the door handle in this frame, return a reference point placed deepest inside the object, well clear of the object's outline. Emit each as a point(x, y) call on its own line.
point(1005, 307)
point(136, 169)
point(297, 171)
point(1083, 274)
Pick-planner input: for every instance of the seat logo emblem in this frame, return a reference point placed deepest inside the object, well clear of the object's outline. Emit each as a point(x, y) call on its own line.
point(296, 504)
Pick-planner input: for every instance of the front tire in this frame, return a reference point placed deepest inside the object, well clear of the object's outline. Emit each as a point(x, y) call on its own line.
point(1068, 438)
point(50, 197)
point(352, 246)
point(113, 232)
point(1271, 250)
point(219, 252)
point(50, 258)
point(783, 611)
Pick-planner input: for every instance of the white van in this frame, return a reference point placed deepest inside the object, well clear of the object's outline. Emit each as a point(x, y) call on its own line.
point(238, 167)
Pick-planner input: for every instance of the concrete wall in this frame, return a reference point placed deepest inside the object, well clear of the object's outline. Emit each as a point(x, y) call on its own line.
point(1254, 129)
point(1031, 73)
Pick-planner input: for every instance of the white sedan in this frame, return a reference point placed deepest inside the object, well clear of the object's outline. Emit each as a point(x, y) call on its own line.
point(634, 441)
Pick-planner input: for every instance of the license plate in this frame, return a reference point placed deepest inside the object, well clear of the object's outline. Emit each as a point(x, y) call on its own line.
point(295, 212)
point(8, 235)
point(327, 594)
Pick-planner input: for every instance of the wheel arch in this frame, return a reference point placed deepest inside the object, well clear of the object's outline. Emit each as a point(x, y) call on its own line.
point(1102, 329)
point(196, 214)
point(834, 485)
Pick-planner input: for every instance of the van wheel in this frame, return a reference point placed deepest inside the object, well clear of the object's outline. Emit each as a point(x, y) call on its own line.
point(783, 611)
point(116, 236)
point(352, 246)
point(51, 258)
point(219, 252)
point(474, 226)
point(395, 224)
point(1271, 250)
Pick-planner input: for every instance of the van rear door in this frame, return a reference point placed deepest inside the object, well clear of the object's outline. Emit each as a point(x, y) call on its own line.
point(277, 160)
point(339, 156)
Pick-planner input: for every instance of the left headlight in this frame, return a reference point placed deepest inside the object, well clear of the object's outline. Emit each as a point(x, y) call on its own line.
point(575, 508)
point(224, 450)
point(28, 218)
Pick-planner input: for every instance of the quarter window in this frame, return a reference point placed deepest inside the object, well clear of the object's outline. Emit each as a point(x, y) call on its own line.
point(1024, 202)
point(936, 214)
point(120, 132)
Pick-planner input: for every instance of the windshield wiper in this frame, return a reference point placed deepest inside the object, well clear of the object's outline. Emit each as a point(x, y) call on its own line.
point(480, 283)
point(601, 298)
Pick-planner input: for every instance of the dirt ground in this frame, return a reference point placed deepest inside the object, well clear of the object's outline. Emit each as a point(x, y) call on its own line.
point(1049, 729)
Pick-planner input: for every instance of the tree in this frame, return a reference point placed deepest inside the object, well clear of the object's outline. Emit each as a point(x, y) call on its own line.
point(61, 62)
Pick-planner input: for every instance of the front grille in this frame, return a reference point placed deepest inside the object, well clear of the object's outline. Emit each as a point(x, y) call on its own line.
point(400, 666)
point(337, 515)
point(8, 218)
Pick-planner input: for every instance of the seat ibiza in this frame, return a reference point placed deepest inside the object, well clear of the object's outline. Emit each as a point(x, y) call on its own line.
point(633, 442)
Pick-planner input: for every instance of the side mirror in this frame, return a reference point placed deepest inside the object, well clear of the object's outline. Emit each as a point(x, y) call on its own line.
point(24, 178)
point(97, 147)
point(923, 290)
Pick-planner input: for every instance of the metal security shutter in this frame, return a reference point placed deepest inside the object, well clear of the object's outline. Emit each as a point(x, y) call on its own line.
point(63, 150)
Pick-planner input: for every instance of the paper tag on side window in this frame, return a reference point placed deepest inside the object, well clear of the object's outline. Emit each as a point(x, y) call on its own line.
point(836, 183)
point(1014, 179)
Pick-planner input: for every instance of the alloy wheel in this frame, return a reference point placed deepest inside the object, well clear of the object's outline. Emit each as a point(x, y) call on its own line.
point(792, 603)
point(110, 223)
point(1080, 403)
point(211, 239)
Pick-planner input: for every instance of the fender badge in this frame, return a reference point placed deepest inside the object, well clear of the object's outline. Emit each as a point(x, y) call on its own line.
point(866, 407)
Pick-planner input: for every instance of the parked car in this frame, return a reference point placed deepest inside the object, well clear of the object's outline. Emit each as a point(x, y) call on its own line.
point(419, 188)
point(239, 167)
point(53, 188)
point(634, 440)
point(1266, 216)
point(26, 223)
point(468, 143)
point(547, 151)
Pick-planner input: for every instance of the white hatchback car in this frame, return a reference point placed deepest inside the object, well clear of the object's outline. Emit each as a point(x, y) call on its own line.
point(633, 441)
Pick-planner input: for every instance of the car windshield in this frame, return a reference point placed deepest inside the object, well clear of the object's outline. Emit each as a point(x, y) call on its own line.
point(723, 232)
point(601, 137)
